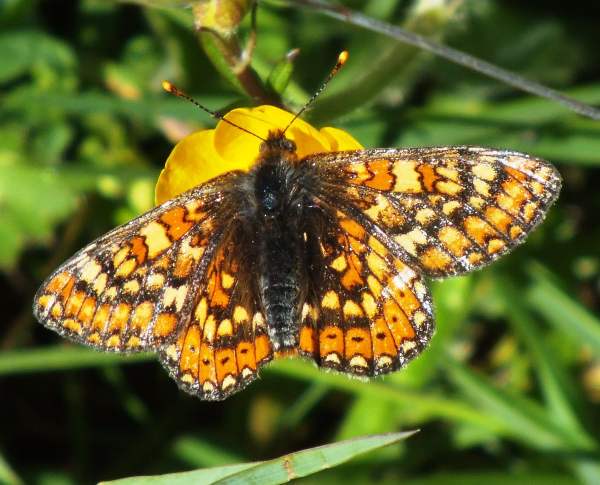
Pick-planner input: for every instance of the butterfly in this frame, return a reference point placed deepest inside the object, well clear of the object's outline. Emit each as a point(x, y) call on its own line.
point(323, 256)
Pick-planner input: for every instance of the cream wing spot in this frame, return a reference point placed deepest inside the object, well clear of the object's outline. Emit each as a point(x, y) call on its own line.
point(383, 361)
point(201, 311)
point(175, 295)
point(228, 381)
point(419, 318)
point(332, 357)
point(227, 280)
point(90, 271)
point(339, 263)
point(100, 283)
point(484, 171)
point(156, 238)
point(407, 178)
point(225, 328)
point(449, 207)
point(258, 321)
point(481, 187)
point(155, 280)
point(369, 304)
point(187, 378)
point(126, 268)
point(351, 309)
point(408, 345)
point(330, 300)
point(240, 315)
point(359, 361)
point(120, 256)
point(210, 329)
point(132, 286)
point(425, 216)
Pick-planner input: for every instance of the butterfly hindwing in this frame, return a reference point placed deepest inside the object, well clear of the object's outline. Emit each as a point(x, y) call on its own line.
point(226, 341)
point(447, 210)
point(367, 312)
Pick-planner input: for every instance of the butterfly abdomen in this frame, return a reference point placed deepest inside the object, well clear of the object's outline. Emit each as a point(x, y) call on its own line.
point(281, 258)
point(279, 285)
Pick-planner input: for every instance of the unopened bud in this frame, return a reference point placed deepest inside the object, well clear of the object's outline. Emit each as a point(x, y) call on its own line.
point(221, 16)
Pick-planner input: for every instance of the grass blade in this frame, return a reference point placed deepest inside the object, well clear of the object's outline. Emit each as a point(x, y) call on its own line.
point(562, 311)
point(558, 392)
point(61, 358)
point(278, 470)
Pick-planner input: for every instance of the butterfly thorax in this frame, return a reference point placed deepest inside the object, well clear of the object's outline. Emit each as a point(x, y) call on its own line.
point(279, 200)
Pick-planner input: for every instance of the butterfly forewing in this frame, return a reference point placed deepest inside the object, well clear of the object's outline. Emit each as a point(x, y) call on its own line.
point(442, 210)
point(131, 289)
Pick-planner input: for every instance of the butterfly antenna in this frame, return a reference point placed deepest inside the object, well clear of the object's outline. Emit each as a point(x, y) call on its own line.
point(341, 60)
point(169, 87)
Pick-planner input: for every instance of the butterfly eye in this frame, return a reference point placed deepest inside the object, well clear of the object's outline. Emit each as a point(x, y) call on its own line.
point(288, 145)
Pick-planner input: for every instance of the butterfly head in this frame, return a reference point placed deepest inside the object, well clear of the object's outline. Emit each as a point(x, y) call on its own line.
point(277, 144)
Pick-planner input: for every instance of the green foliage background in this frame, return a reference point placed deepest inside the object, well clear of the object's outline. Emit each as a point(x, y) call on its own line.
point(510, 387)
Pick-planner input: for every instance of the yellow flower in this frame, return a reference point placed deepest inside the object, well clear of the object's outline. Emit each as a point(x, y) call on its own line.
point(205, 154)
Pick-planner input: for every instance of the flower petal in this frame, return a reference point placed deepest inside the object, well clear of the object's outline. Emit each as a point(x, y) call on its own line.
point(193, 161)
point(340, 140)
point(233, 143)
point(206, 154)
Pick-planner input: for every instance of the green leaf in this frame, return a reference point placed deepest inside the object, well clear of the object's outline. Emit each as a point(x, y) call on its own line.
point(279, 470)
point(24, 219)
point(18, 56)
point(281, 74)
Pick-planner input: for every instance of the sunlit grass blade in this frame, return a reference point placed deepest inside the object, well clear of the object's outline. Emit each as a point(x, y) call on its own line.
point(294, 415)
point(562, 311)
point(199, 452)
point(529, 423)
point(204, 476)
point(61, 358)
point(278, 470)
point(7, 474)
point(560, 395)
point(525, 419)
point(424, 405)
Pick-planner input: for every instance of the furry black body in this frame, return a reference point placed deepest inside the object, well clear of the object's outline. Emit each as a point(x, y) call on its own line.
point(276, 195)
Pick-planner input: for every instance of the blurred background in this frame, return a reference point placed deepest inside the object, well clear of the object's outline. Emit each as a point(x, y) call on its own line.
point(509, 390)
